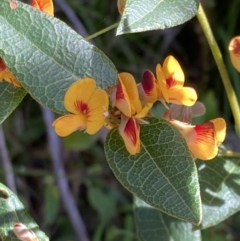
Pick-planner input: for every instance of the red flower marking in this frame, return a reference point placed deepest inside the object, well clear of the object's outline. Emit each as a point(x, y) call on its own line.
point(148, 82)
point(170, 82)
point(119, 92)
point(236, 46)
point(205, 130)
point(131, 130)
point(2, 65)
point(82, 107)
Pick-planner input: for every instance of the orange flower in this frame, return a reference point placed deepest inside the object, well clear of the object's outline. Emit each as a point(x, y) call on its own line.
point(44, 6)
point(234, 50)
point(203, 139)
point(170, 79)
point(88, 106)
point(6, 74)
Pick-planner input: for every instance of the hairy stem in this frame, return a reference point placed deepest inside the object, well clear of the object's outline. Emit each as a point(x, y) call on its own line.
point(221, 66)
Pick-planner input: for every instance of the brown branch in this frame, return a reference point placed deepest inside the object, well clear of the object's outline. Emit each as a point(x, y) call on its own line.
point(67, 197)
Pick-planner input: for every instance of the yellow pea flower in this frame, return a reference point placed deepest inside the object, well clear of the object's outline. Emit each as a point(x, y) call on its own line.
point(88, 106)
point(234, 50)
point(44, 6)
point(203, 139)
point(125, 97)
point(6, 74)
point(170, 79)
point(129, 130)
point(148, 89)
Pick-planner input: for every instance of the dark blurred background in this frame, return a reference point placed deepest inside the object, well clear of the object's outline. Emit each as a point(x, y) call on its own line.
point(105, 206)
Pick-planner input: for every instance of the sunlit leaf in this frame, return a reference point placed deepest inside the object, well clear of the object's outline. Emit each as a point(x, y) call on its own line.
point(163, 174)
point(140, 16)
point(12, 211)
point(220, 189)
point(153, 225)
point(10, 98)
point(47, 56)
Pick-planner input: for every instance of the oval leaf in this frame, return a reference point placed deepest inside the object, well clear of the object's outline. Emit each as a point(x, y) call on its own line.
point(220, 189)
point(153, 225)
point(10, 98)
point(140, 16)
point(163, 174)
point(13, 211)
point(47, 56)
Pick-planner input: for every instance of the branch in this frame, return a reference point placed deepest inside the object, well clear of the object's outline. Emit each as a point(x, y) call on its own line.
point(67, 197)
point(7, 165)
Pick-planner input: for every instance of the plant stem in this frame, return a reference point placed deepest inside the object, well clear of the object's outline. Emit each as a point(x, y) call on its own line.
point(221, 66)
point(102, 31)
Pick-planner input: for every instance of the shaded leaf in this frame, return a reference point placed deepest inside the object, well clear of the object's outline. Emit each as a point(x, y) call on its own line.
point(153, 225)
point(140, 16)
point(163, 174)
point(47, 56)
point(12, 211)
point(10, 98)
point(220, 189)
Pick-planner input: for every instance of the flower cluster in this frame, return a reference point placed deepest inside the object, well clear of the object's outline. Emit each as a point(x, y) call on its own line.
point(5, 74)
point(130, 103)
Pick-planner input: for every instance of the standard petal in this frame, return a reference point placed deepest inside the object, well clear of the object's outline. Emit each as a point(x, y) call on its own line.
point(131, 88)
point(78, 95)
point(204, 147)
point(98, 106)
point(173, 72)
point(234, 50)
point(129, 130)
point(67, 124)
point(161, 82)
point(220, 129)
point(200, 139)
point(149, 86)
point(183, 96)
point(44, 6)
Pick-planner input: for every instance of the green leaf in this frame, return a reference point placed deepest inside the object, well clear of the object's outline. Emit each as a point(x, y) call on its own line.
point(140, 16)
point(220, 189)
point(10, 98)
point(153, 225)
point(13, 211)
point(47, 56)
point(163, 174)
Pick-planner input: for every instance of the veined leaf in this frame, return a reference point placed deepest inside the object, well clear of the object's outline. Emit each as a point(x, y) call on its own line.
point(153, 225)
point(47, 56)
point(10, 98)
point(163, 174)
point(220, 189)
point(140, 16)
point(13, 211)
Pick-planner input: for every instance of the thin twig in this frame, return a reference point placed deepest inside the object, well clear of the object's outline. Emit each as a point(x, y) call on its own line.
point(67, 197)
point(7, 164)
